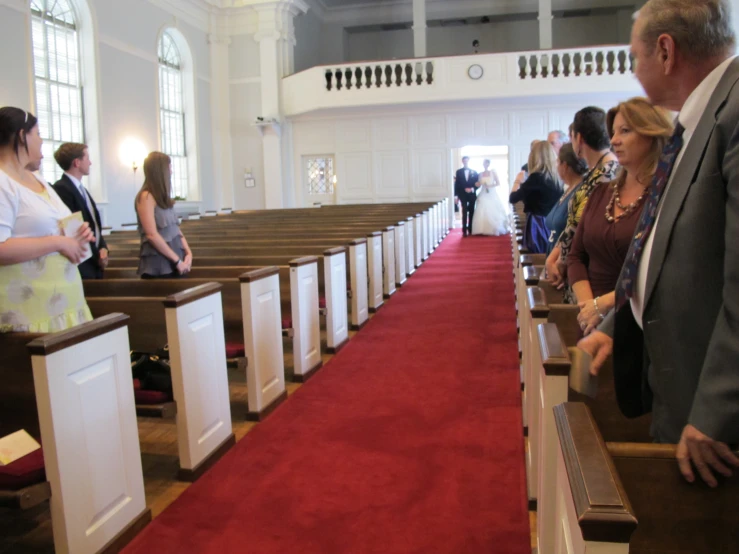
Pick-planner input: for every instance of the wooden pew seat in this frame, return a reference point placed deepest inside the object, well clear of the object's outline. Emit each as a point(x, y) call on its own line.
point(633, 496)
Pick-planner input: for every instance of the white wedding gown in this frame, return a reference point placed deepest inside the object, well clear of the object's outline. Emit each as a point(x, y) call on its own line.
point(490, 214)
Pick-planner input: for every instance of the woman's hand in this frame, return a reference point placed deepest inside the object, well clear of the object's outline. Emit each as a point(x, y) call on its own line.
point(181, 267)
point(188, 261)
point(588, 317)
point(553, 274)
point(556, 270)
point(72, 248)
point(85, 234)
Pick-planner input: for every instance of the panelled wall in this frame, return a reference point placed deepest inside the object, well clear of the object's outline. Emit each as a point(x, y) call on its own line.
point(406, 154)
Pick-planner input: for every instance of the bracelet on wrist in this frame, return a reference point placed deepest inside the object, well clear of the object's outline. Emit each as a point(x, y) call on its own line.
point(597, 309)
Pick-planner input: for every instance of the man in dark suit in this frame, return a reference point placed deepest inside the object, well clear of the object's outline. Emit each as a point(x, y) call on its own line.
point(674, 333)
point(74, 159)
point(465, 185)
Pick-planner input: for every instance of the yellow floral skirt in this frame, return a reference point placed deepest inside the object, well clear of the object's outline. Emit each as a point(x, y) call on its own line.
point(44, 295)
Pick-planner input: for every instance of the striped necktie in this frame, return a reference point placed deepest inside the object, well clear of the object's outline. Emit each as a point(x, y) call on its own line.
point(627, 279)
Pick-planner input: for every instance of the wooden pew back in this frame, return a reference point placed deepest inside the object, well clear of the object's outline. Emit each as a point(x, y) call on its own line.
point(17, 395)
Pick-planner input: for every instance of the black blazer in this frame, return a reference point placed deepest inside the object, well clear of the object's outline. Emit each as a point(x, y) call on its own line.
point(539, 194)
point(72, 197)
point(460, 183)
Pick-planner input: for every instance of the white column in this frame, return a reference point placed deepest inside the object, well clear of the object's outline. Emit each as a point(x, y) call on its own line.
point(276, 37)
point(419, 28)
point(545, 24)
point(220, 105)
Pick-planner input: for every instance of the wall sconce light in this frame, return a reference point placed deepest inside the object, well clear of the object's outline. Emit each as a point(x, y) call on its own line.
point(132, 153)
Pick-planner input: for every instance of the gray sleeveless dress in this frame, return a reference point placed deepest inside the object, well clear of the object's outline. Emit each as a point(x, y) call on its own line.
point(151, 262)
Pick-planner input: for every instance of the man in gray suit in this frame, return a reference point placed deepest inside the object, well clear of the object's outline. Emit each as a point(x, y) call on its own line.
point(674, 334)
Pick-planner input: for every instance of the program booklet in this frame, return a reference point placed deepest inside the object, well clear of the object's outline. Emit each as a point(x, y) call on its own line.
point(69, 227)
point(16, 445)
point(580, 378)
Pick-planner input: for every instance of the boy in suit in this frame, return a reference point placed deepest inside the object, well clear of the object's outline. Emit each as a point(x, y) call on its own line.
point(74, 159)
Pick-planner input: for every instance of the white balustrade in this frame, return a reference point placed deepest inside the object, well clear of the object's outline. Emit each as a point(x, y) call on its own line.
point(574, 71)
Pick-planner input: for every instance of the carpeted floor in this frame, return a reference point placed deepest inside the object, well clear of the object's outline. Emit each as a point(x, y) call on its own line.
point(408, 441)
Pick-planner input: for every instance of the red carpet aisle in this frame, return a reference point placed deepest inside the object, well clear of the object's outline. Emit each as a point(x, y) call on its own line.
point(408, 441)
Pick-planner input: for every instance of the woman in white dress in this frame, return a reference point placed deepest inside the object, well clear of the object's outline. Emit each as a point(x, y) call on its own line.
point(490, 214)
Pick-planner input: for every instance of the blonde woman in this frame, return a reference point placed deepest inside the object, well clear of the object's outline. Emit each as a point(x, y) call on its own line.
point(40, 285)
point(639, 132)
point(539, 193)
point(164, 250)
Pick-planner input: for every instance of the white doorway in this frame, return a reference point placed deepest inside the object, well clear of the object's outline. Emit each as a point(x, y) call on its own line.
point(498, 156)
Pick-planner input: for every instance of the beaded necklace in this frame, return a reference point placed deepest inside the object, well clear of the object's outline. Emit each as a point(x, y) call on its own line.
point(626, 210)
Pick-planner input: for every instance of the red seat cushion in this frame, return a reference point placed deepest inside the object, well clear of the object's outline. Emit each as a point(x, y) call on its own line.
point(235, 350)
point(287, 323)
point(136, 384)
point(149, 397)
point(322, 302)
point(24, 472)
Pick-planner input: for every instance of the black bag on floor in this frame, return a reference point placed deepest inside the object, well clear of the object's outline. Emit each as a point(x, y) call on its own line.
point(152, 372)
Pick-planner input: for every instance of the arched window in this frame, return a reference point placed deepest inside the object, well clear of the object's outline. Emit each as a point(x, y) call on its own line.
point(172, 113)
point(57, 78)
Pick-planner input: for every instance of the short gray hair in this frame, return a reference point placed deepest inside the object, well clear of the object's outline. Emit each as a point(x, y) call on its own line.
point(561, 137)
point(700, 28)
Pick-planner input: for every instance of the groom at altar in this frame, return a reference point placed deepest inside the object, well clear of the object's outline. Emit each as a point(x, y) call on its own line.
point(465, 188)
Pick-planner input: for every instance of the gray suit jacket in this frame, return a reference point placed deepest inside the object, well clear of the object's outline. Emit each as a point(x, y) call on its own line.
point(684, 366)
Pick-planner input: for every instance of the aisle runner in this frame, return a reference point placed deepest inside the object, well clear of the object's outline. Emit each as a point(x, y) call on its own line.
point(408, 441)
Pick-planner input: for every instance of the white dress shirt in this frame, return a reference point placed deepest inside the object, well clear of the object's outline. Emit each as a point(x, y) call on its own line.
point(466, 174)
point(689, 118)
point(88, 202)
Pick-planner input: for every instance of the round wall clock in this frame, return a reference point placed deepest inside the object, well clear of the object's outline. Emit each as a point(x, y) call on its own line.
point(475, 71)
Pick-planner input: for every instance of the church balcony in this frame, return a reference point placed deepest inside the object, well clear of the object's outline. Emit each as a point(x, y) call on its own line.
point(598, 69)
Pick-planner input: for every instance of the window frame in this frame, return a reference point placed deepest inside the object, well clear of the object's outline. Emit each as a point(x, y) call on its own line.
point(88, 77)
point(189, 162)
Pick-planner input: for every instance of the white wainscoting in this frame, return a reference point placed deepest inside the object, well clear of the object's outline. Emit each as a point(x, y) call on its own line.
point(404, 153)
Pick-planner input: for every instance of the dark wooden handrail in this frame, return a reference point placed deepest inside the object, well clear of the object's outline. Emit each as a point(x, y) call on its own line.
point(54, 342)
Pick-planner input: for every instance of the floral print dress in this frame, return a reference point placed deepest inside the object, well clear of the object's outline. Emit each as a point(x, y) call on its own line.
point(44, 295)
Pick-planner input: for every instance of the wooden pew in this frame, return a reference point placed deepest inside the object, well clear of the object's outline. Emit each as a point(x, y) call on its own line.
point(614, 497)
point(557, 340)
point(191, 322)
point(150, 329)
point(93, 468)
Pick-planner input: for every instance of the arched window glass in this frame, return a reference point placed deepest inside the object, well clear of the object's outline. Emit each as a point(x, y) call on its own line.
point(57, 76)
point(172, 113)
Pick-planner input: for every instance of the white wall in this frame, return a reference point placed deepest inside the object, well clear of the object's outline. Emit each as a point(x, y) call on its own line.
point(127, 35)
point(246, 106)
point(380, 45)
point(511, 36)
point(15, 87)
point(404, 154)
point(573, 32)
point(496, 37)
point(308, 49)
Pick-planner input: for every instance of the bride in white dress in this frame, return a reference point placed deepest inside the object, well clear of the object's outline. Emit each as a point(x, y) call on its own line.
point(490, 215)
